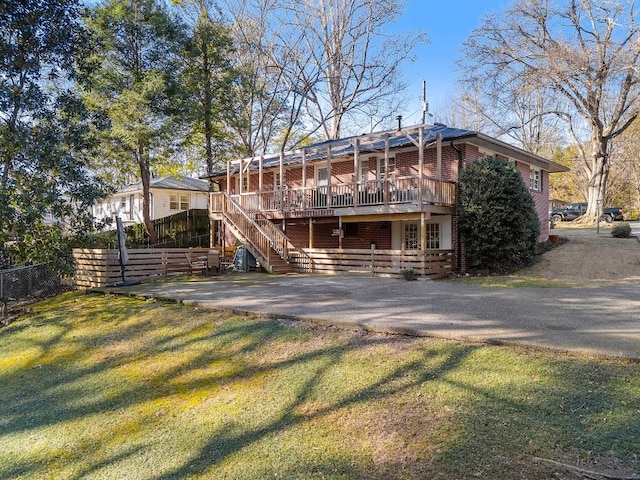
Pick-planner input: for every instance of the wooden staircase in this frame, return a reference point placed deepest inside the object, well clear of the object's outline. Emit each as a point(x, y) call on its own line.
point(268, 244)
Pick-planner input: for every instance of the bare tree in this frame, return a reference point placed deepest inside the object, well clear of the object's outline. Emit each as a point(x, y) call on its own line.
point(355, 61)
point(581, 54)
point(270, 91)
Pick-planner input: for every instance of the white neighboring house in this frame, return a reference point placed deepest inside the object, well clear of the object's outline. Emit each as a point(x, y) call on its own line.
point(169, 195)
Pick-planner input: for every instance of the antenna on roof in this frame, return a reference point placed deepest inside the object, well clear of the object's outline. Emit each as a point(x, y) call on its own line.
point(425, 104)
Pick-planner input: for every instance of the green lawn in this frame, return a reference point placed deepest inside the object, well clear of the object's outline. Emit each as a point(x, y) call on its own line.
point(117, 388)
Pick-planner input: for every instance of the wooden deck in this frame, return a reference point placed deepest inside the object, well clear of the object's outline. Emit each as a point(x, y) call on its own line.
point(399, 194)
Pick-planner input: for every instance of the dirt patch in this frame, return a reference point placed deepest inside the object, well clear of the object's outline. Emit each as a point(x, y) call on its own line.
point(588, 256)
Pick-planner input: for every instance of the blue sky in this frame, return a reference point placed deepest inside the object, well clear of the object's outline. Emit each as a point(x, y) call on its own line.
point(448, 24)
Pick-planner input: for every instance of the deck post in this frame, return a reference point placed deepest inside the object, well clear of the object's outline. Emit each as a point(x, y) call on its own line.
point(311, 233)
point(423, 231)
point(260, 180)
point(228, 177)
point(356, 172)
point(282, 181)
point(304, 179)
point(328, 176)
point(340, 232)
point(385, 186)
point(420, 165)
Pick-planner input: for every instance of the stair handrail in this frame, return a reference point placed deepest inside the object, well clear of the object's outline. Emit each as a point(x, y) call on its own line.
point(277, 239)
point(228, 204)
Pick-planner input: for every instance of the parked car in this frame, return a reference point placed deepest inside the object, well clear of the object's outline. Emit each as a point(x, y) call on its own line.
point(575, 210)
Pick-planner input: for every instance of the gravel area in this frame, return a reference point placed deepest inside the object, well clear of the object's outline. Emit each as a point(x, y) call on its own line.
point(590, 257)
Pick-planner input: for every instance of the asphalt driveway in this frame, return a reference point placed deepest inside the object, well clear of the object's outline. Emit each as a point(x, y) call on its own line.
point(600, 321)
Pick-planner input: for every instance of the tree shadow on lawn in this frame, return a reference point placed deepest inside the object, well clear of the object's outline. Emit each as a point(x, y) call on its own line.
point(250, 382)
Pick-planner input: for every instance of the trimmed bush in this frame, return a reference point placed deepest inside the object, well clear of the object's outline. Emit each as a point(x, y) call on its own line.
point(498, 218)
point(621, 231)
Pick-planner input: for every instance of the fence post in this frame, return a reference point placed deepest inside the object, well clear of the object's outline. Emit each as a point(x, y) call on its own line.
point(373, 259)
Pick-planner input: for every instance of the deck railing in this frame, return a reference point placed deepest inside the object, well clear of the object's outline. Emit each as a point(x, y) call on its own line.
point(345, 195)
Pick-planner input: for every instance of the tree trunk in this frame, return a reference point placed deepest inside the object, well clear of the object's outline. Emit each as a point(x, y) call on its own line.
point(145, 175)
point(597, 169)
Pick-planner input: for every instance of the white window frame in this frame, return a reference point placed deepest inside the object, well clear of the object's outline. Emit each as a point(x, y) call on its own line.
point(382, 175)
point(411, 236)
point(277, 181)
point(535, 179)
point(433, 236)
point(179, 201)
point(321, 182)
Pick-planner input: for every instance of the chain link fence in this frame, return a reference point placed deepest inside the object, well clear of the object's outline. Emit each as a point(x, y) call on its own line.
point(21, 285)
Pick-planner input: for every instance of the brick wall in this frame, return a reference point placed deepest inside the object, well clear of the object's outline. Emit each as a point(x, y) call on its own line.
point(540, 198)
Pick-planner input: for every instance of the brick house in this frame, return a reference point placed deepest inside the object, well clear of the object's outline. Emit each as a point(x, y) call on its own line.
point(373, 203)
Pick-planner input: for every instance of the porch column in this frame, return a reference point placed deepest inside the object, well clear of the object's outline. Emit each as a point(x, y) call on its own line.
point(311, 233)
point(386, 169)
point(328, 176)
point(423, 232)
point(420, 165)
point(356, 172)
point(340, 232)
point(304, 179)
point(260, 180)
point(282, 180)
point(241, 189)
point(228, 177)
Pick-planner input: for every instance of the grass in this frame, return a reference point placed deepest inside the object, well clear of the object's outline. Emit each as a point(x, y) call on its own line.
point(117, 388)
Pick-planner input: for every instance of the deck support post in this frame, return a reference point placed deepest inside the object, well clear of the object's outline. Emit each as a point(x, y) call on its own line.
point(385, 186)
point(228, 177)
point(311, 233)
point(356, 172)
point(340, 232)
point(260, 179)
point(304, 179)
point(328, 176)
point(423, 231)
point(420, 166)
point(282, 181)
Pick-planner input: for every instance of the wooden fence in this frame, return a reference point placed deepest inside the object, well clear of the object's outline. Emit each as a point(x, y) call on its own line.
point(100, 267)
point(431, 263)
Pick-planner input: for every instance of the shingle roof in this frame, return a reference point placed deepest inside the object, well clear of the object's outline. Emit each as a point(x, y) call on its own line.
point(170, 183)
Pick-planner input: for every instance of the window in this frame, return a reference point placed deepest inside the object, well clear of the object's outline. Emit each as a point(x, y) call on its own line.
point(179, 202)
point(433, 235)
point(535, 178)
point(364, 171)
point(411, 236)
point(322, 176)
point(276, 181)
point(350, 229)
point(382, 175)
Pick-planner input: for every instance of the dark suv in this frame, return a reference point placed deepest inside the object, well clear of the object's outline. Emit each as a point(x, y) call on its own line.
point(574, 210)
point(568, 213)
